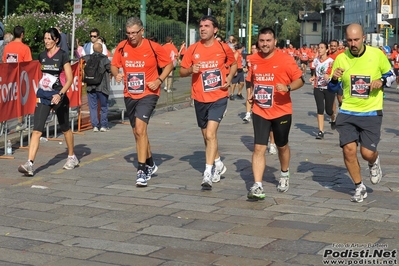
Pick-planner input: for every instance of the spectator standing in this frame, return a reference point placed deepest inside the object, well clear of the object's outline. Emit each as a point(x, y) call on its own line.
point(2, 33)
point(79, 49)
point(52, 95)
point(212, 66)
point(7, 39)
point(14, 52)
point(273, 75)
point(361, 72)
point(139, 58)
point(64, 42)
point(88, 47)
point(99, 93)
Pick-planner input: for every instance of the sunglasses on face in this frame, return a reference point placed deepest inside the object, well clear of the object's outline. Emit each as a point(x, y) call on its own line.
point(134, 33)
point(93, 36)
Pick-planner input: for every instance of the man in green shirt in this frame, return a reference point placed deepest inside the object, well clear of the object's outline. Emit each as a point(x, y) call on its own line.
point(361, 71)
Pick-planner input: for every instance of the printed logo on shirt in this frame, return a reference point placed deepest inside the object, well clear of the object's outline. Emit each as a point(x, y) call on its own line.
point(360, 86)
point(264, 77)
point(196, 56)
point(135, 82)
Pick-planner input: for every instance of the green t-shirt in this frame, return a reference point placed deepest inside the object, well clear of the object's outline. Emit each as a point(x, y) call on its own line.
point(357, 76)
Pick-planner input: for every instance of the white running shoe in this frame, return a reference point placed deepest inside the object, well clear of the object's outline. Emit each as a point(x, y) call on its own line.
point(207, 181)
point(218, 173)
point(360, 194)
point(71, 163)
point(375, 171)
point(272, 149)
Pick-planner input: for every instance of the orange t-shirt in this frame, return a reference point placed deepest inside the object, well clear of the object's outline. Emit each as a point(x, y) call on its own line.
point(292, 52)
point(311, 55)
point(139, 66)
point(334, 55)
point(15, 52)
point(239, 59)
point(249, 73)
point(183, 49)
point(304, 54)
point(395, 58)
point(172, 52)
point(266, 73)
point(215, 61)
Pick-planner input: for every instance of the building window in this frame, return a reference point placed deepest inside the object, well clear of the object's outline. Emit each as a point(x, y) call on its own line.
point(314, 28)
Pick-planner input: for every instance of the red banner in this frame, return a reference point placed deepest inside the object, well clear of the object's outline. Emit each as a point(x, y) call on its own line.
point(18, 86)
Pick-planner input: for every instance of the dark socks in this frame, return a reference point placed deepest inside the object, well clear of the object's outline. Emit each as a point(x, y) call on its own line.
point(149, 161)
point(141, 167)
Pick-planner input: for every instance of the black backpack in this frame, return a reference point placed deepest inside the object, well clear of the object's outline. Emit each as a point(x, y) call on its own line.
point(92, 71)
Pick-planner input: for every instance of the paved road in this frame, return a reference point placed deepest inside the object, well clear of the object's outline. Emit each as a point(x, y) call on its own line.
point(94, 215)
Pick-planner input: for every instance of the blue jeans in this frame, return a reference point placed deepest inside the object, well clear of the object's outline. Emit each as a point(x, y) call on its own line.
point(93, 98)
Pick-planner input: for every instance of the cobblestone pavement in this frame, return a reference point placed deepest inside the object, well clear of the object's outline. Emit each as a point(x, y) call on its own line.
point(95, 215)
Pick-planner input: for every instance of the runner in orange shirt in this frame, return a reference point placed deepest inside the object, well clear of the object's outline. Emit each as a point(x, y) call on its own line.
point(139, 59)
point(14, 52)
point(292, 51)
point(248, 106)
point(304, 58)
point(212, 65)
point(312, 56)
point(238, 79)
point(173, 54)
point(395, 59)
point(273, 76)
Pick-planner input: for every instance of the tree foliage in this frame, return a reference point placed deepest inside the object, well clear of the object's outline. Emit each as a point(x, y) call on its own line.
point(265, 12)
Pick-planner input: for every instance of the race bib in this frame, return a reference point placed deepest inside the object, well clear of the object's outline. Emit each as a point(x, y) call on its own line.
point(211, 80)
point(47, 81)
point(360, 86)
point(263, 95)
point(12, 58)
point(135, 82)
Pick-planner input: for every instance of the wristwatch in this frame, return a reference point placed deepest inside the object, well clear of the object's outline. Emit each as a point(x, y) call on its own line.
point(288, 88)
point(61, 94)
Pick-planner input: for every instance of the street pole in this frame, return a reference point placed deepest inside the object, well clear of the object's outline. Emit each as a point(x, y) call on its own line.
point(275, 29)
point(227, 19)
point(232, 18)
point(5, 11)
point(143, 13)
point(341, 9)
point(241, 21)
point(250, 27)
point(321, 24)
point(396, 22)
point(187, 19)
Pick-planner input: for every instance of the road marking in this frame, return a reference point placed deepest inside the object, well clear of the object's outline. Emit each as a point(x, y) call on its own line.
point(96, 159)
point(39, 179)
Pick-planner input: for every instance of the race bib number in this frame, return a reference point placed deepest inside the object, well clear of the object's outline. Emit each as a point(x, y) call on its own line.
point(321, 81)
point(360, 86)
point(211, 80)
point(12, 58)
point(263, 95)
point(135, 82)
point(47, 81)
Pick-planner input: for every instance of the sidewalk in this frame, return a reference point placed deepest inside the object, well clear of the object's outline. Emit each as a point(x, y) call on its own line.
point(178, 98)
point(95, 216)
